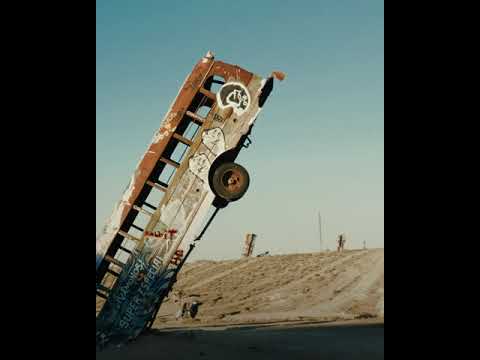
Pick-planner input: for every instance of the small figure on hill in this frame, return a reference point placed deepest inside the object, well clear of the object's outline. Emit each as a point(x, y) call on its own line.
point(194, 309)
point(182, 305)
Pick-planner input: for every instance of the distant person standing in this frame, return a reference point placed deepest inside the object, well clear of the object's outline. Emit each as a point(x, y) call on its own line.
point(182, 306)
point(182, 311)
point(194, 309)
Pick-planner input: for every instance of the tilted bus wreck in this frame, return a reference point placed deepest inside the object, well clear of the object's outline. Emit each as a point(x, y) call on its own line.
point(188, 167)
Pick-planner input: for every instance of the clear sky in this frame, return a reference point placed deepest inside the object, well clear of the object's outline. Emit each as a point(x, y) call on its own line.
point(317, 146)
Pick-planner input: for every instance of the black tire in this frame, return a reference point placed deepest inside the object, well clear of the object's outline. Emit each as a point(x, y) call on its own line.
point(230, 181)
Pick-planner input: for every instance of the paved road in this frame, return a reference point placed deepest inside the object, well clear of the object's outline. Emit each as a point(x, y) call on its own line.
point(326, 342)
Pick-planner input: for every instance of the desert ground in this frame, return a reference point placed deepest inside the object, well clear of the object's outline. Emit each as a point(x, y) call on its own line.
point(325, 305)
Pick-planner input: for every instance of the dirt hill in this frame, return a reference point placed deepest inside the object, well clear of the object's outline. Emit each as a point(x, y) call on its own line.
point(285, 288)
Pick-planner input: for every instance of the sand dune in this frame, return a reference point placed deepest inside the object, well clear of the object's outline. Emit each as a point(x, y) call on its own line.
point(285, 288)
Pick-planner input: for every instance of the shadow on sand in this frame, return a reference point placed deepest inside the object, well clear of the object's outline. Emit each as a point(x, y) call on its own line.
point(353, 340)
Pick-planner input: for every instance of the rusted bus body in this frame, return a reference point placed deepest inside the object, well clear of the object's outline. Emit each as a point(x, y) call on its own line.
point(187, 196)
point(194, 92)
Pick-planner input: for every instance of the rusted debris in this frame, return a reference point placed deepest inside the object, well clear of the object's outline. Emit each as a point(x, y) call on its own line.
point(249, 245)
point(279, 75)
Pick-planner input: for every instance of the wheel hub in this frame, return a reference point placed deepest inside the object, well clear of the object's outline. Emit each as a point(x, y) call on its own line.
point(232, 180)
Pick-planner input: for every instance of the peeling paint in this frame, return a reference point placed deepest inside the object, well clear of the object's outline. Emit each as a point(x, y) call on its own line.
point(254, 117)
point(108, 232)
point(196, 226)
point(128, 192)
point(214, 140)
point(169, 211)
point(166, 129)
point(200, 166)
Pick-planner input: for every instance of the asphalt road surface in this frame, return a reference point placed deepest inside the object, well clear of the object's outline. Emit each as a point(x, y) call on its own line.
point(349, 340)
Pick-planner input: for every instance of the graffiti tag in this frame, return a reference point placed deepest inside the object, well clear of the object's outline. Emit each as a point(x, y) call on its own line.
point(234, 95)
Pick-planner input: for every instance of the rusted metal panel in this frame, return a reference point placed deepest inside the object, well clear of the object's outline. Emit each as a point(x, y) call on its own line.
point(230, 72)
point(182, 139)
point(198, 119)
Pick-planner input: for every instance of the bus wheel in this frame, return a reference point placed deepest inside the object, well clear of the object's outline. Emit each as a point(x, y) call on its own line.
point(230, 181)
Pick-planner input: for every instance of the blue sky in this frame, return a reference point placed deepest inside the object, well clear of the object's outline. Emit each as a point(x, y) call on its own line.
point(319, 142)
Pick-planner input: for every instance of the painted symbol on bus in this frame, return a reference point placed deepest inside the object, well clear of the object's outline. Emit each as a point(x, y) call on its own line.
point(214, 140)
point(234, 95)
point(200, 166)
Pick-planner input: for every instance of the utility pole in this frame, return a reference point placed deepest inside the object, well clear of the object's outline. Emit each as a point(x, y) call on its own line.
point(320, 230)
